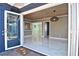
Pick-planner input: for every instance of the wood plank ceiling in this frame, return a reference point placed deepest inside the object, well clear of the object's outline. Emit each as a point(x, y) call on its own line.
point(60, 10)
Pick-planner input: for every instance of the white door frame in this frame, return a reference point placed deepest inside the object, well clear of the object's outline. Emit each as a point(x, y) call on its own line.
point(77, 50)
point(5, 29)
point(69, 26)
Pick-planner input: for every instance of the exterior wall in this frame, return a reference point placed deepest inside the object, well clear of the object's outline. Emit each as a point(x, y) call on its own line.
point(3, 7)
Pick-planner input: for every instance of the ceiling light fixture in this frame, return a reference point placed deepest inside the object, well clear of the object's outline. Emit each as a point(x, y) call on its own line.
point(54, 18)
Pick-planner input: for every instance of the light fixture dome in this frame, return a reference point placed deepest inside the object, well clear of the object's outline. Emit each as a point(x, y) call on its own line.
point(54, 18)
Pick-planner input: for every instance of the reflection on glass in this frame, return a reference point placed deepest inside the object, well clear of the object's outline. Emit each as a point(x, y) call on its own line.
point(12, 26)
point(37, 30)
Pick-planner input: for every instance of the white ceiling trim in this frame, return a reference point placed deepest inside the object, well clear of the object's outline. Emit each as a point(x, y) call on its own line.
point(17, 4)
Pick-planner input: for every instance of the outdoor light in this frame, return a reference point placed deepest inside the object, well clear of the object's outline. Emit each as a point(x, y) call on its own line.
point(54, 18)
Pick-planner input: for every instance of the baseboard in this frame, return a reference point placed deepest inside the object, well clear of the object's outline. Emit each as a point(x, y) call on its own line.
point(49, 37)
point(27, 35)
point(58, 38)
point(42, 36)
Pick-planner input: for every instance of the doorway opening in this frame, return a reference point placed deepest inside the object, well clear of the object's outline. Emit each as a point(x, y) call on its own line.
point(45, 36)
point(47, 29)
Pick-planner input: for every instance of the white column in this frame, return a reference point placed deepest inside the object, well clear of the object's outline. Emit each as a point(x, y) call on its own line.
point(72, 41)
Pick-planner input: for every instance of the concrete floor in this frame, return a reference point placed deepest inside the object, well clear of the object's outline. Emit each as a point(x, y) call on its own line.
point(50, 47)
point(46, 46)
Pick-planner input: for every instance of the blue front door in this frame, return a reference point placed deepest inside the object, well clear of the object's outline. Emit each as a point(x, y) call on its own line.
point(12, 30)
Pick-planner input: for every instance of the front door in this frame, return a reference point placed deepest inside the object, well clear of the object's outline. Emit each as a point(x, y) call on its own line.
point(12, 30)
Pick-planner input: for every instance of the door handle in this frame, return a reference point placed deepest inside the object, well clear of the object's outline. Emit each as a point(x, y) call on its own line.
point(2, 32)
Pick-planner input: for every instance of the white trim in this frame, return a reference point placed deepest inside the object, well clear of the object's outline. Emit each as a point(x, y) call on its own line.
point(73, 29)
point(27, 30)
point(57, 38)
point(77, 46)
point(5, 30)
point(31, 36)
point(36, 50)
point(13, 47)
point(42, 36)
point(63, 15)
point(12, 12)
point(44, 19)
point(22, 29)
point(69, 27)
point(14, 4)
point(41, 8)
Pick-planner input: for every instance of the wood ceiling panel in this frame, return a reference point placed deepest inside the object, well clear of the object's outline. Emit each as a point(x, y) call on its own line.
point(60, 10)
